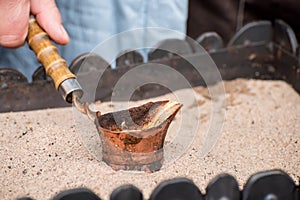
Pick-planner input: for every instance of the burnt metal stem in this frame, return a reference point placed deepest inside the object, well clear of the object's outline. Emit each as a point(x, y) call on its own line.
point(84, 108)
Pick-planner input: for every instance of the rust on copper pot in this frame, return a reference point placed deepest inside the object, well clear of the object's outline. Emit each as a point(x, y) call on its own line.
point(133, 139)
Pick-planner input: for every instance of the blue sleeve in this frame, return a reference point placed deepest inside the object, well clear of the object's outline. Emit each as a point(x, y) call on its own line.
point(91, 22)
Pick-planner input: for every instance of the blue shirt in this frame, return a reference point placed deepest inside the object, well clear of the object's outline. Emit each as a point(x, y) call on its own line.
point(91, 22)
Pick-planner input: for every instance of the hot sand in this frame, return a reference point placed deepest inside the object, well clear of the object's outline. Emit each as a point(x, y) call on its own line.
point(42, 153)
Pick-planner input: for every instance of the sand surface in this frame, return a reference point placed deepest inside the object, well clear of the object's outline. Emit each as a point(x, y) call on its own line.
point(255, 128)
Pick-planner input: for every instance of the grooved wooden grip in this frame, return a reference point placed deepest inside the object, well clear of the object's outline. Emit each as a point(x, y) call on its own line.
point(47, 54)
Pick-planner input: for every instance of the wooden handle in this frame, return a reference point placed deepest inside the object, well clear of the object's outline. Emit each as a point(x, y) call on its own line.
point(47, 54)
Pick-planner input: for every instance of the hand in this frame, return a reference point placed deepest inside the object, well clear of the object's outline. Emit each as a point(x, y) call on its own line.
point(15, 16)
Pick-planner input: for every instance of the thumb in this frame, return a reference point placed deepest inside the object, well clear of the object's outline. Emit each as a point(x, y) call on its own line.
point(14, 22)
point(48, 16)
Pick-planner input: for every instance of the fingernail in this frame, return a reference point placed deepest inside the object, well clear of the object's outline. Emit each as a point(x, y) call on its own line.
point(9, 40)
point(63, 32)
